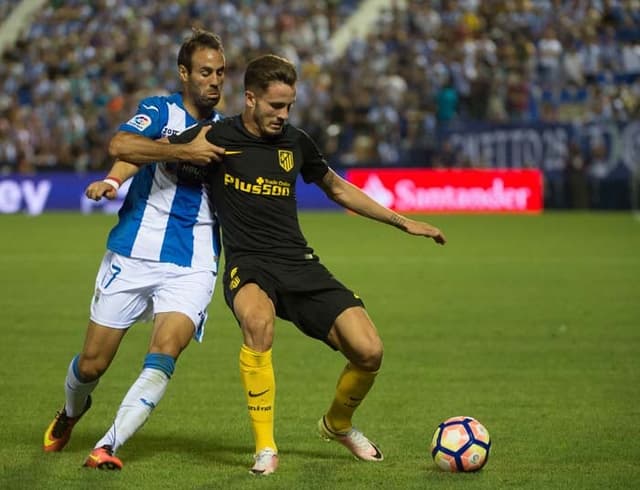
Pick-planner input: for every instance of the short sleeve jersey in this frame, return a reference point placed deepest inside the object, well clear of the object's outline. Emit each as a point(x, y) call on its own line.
point(166, 216)
point(254, 189)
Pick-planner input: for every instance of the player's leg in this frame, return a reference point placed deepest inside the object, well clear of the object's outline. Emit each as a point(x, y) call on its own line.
point(122, 295)
point(256, 314)
point(354, 334)
point(172, 332)
point(100, 346)
point(180, 300)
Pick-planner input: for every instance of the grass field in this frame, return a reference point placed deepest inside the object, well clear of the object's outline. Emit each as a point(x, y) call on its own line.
point(529, 323)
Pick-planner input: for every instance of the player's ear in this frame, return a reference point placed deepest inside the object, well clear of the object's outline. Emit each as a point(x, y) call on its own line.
point(250, 99)
point(183, 73)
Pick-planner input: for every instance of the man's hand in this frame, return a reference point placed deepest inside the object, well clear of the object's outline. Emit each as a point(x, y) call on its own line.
point(424, 229)
point(99, 189)
point(200, 151)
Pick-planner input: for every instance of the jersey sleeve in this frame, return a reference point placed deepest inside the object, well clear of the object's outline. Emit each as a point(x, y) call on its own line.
point(149, 119)
point(314, 165)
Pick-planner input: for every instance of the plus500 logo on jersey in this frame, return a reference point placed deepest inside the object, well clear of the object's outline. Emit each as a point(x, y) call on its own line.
point(263, 187)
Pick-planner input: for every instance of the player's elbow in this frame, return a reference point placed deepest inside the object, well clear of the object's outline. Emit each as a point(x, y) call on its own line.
point(117, 146)
point(342, 200)
point(334, 194)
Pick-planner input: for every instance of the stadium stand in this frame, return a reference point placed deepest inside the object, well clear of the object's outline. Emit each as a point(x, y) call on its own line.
point(378, 96)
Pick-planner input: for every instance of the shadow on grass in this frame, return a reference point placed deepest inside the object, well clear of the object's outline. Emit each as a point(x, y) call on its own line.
point(205, 449)
point(199, 448)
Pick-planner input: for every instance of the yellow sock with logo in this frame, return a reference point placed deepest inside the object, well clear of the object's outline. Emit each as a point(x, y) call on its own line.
point(256, 372)
point(353, 386)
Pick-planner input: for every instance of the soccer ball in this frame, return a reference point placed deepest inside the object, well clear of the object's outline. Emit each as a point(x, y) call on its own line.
point(460, 444)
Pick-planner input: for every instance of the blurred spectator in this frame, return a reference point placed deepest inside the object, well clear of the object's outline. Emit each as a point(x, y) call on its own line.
point(630, 58)
point(572, 64)
point(597, 171)
point(448, 157)
point(447, 103)
point(577, 179)
point(517, 97)
point(591, 53)
point(549, 52)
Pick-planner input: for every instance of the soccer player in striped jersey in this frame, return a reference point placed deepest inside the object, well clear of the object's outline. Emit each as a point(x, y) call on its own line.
point(162, 255)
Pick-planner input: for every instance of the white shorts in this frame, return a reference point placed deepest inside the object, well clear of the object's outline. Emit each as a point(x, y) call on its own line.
point(128, 290)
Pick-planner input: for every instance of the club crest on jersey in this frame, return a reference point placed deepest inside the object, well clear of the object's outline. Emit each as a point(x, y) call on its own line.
point(140, 122)
point(285, 157)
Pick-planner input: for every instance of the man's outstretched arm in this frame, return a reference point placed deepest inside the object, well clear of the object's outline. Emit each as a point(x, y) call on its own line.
point(139, 149)
point(350, 197)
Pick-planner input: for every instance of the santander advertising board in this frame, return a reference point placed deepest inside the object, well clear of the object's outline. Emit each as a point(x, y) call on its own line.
point(452, 191)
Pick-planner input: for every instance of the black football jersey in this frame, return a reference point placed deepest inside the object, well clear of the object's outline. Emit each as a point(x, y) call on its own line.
point(254, 188)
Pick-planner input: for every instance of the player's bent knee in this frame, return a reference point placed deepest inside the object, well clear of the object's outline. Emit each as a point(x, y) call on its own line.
point(372, 361)
point(91, 369)
point(257, 324)
point(369, 357)
point(257, 331)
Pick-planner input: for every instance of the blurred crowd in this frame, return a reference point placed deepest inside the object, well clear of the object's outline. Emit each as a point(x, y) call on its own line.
point(6, 6)
point(80, 68)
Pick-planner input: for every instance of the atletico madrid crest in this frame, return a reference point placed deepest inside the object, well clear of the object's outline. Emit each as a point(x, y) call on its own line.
point(285, 157)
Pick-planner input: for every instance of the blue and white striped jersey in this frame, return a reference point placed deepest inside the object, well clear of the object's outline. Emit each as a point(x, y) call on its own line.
point(165, 218)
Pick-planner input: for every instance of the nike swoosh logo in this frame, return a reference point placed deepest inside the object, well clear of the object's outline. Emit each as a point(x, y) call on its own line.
point(253, 395)
point(149, 404)
point(48, 441)
point(232, 152)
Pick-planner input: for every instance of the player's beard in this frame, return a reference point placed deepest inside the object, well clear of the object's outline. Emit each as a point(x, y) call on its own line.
point(206, 104)
point(266, 130)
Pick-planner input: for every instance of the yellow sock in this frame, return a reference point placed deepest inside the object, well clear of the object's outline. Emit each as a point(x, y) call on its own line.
point(256, 372)
point(353, 386)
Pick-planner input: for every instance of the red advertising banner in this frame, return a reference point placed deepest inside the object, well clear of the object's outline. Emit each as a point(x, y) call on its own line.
point(452, 191)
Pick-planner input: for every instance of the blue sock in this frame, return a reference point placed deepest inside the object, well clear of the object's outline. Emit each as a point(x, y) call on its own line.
point(161, 362)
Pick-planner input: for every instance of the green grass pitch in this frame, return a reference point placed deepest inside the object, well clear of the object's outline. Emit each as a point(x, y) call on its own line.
point(531, 324)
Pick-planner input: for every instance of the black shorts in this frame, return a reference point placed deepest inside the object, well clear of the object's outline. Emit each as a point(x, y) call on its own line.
point(304, 293)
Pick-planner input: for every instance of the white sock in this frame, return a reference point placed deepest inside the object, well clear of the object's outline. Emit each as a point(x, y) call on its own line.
point(76, 391)
point(143, 396)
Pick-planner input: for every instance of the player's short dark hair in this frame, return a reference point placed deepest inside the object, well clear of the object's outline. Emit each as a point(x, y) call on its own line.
point(199, 39)
point(268, 68)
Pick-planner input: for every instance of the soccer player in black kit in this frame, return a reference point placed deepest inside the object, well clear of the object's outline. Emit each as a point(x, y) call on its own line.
point(271, 270)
